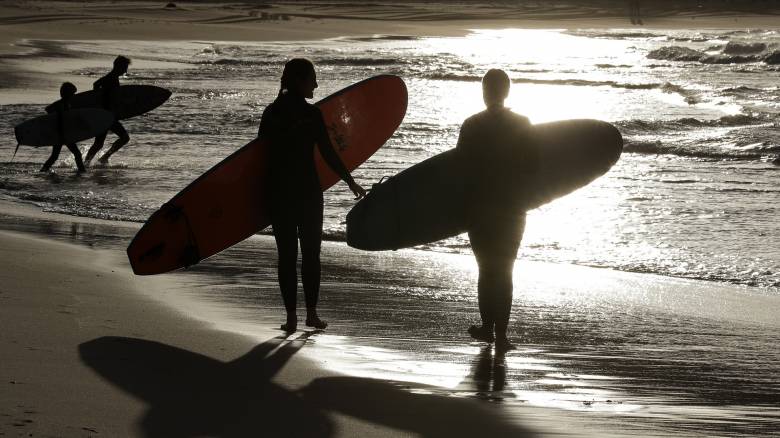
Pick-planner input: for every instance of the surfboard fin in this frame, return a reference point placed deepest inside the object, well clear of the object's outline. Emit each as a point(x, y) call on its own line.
point(18, 141)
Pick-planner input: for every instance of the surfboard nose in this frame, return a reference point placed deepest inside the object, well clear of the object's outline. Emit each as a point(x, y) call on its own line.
point(612, 141)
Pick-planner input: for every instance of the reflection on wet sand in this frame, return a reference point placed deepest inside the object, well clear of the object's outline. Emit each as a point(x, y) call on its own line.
point(189, 394)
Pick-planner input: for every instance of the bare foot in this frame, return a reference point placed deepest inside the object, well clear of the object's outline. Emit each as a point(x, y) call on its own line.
point(503, 345)
point(291, 325)
point(481, 334)
point(316, 322)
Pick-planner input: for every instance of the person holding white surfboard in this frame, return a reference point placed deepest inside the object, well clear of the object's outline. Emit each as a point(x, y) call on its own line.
point(495, 228)
point(67, 90)
point(293, 127)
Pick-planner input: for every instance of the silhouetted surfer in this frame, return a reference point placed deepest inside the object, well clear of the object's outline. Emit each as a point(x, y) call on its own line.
point(634, 12)
point(110, 86)
point(293, 127)
point(496, 226)
point(67, 90)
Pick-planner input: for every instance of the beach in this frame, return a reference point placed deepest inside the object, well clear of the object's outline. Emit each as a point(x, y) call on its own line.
point(89, 350)
point(93, 350)
point(660, 321)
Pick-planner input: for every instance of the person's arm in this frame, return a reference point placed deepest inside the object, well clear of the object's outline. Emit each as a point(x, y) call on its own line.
point(98, 83)
point(268, 124)
point(52, 107)
point(332, 158)
point(531, 149)
point(465, 142)
point(59, 107)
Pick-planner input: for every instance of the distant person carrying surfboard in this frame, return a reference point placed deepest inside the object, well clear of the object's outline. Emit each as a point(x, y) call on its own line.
point(495, 228)
point(67, 90)
point(293, 127)
point(109, 84)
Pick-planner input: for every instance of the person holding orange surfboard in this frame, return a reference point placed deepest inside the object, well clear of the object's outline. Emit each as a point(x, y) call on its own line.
point(293, 127)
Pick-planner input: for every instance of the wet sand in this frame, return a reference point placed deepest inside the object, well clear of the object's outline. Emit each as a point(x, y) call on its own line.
point(89, 349)
point(599, 352)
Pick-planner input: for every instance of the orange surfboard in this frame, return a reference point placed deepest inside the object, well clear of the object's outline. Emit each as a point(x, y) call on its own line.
point(230, 202)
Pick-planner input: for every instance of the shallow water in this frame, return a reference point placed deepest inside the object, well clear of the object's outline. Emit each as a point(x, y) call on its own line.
point(695, 194)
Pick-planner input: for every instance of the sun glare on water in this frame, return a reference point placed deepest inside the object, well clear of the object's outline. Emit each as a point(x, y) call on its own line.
point(540, 62)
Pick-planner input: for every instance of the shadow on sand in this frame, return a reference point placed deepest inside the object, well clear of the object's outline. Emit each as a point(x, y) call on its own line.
point(190, 394)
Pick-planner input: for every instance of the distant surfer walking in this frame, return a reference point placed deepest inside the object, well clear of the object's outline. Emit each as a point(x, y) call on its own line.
point(67, 90)
point(109, 84)
point(495, 226)
point(293, 127)
point(634, 12)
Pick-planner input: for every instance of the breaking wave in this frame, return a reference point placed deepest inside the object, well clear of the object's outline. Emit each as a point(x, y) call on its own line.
point(685, 150)
point(645, 126)
point(690, 97)
point(738, 53)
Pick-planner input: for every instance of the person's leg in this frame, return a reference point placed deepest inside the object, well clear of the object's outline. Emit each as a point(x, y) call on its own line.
point(311, 243)
point(55, 153)
point(480, 238)
point(511, 236)
point(502, 298)
point(638, 12)
point(285, 234)
point(123, 139)
point(495, 246)
point(74, 149)
point(96, 146)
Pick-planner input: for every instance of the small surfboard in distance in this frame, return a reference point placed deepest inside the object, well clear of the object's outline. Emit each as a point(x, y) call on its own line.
point(126, 102)
point(435, 199)
point(231, 201)
point(78, 125)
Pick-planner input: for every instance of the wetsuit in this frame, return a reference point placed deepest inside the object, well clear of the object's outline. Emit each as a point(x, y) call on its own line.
point(110, 86)
point(60, 107)
point(489, 143)
point(293, 127)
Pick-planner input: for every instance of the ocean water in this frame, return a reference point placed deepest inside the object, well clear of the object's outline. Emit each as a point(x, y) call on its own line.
point(694, 195)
